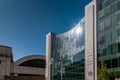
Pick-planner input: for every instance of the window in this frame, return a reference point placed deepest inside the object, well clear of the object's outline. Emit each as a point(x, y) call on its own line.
point(114, 8)
point(119, 61)
point(114, 35)
point(114, 20)
point(119, 32)
point(99, 64)
point(108, 50)
point(101, 39)
point(108, 37)
point(101, 14)
point(119, 47)
point(102, 52)
point(107, 24)
point(114, 48)
point(114, 63)
point(101, 26)
point(119, 5)
point(118, 18)
point(107, 11)
point(108, 63)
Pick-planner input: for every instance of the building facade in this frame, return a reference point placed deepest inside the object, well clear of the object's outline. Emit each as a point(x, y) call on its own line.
point(109, 33)
point(28, 67)
point(102, 43)
point(102, 36)
point(65, 54)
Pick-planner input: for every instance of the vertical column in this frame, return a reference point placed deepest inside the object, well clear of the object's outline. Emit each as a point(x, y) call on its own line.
point(48, 56)
point(90, 42)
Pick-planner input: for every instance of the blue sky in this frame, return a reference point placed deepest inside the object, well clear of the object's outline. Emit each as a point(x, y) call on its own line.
point(25, 23)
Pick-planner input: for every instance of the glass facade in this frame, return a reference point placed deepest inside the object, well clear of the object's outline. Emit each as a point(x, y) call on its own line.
point(109, 32)
point(68, 54)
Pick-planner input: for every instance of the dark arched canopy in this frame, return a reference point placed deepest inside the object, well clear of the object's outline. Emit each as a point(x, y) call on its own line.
point(37, 61)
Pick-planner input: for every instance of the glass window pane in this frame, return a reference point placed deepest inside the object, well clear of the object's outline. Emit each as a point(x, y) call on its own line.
point(119, 5)
point(102, 52)
point(118, 47)
point(114, 20)
point(108, 63)
point(119, 61)
point(101, 39)
point(107, 24)
point(101, 14)
point(114, 35)
point(119, 32)
point(108, 37)
point(118, 18)
point(107, 11)
point(114, 63)
point(108, 50)
point(114, 48)
point(114, 8)
point(101, 26)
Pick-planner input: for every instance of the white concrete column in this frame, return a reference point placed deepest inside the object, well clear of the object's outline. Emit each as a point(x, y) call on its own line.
point(90, 41)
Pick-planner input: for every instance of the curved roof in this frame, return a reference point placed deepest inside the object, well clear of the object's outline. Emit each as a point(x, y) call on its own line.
point(28, 58)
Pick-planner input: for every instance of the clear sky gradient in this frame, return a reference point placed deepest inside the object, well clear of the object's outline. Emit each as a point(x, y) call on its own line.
point(25, 23)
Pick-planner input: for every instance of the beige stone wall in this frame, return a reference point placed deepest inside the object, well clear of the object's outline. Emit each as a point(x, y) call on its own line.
point(5, 61)
point(28, 70)
point(48, 55)
point(90, 41)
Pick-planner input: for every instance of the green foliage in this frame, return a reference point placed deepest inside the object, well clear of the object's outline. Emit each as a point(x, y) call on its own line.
point(114, 74)
point(102, 72)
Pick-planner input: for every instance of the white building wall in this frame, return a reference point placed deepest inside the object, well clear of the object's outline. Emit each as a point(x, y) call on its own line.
point(48, 55)
point(90, 41)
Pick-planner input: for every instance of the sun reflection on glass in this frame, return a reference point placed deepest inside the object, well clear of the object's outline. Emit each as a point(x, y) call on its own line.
point(79, 30)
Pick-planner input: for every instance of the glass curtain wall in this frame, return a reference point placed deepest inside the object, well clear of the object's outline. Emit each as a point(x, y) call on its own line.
point(68, 54)
point(109, 32)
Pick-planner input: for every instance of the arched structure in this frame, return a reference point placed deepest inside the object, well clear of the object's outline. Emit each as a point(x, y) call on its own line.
point(30, 65)
point(26, 68)
point(31, 61)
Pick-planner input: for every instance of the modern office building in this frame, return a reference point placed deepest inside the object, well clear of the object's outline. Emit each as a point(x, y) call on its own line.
point(108, 26)
point(102, 43)
point(102, 36)
point(31, 67)
point(65, 54)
